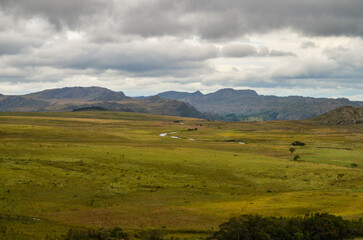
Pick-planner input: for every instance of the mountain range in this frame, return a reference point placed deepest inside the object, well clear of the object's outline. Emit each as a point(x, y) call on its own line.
point(242, 105)
point(225, 104)
point(93, 98)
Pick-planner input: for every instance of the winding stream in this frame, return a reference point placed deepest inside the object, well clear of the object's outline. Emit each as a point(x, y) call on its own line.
point(174, 137)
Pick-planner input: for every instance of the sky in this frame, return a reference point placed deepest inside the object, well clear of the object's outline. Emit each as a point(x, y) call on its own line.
point(143, 47)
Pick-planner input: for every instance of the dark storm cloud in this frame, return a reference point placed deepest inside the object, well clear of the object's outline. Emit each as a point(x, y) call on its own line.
point(211, 19)
point(230, 18)
point(215, 19)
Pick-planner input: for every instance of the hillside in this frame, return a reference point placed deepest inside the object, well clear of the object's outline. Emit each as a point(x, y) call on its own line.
point(236, 105)
point(341, 116)
point(21, 104)
point(76, 98)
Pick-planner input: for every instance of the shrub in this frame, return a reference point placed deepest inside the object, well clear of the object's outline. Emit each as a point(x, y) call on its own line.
point(292, 150)
point(296, 158)
point(354, 165)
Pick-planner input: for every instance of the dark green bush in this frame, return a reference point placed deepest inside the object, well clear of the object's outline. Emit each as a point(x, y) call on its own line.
point(318, 226)
point(296, 158)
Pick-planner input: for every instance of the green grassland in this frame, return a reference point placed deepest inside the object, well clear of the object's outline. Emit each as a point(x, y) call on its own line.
point(111, 169)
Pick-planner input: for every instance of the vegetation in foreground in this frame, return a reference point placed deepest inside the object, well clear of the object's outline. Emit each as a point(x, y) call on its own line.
point(246, 227)
point(109, 170)
point(310, 227)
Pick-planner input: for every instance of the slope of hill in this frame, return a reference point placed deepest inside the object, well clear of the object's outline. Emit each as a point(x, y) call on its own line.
point(236, 105)
point(341, 116)
point(172, 107)
point(21, 104)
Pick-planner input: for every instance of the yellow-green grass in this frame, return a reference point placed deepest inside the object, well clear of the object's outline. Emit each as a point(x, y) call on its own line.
point(108, 169)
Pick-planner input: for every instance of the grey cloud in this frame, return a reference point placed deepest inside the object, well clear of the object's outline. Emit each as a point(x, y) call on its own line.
point(15, 43)
point(308, 44)
point(136, 56)
point(19, 35)
point(65, 12)
point(245, 50)
point(301, 73)
point(210, 19)
point(238, 50)
point(279, 53)
point(232, 18)
point(348, 58)
point(10, 47)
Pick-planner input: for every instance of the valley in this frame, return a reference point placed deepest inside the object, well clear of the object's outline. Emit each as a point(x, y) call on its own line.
point(95, 169)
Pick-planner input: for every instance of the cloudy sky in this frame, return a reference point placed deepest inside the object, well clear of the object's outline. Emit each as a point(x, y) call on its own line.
point(142, 47)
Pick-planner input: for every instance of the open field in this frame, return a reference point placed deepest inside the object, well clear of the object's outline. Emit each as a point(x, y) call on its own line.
point(107, 169)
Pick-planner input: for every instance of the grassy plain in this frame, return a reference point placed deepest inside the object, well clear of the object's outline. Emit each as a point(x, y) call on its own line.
point(107, 169)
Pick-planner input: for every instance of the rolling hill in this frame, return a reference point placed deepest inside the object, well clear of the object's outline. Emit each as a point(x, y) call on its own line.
point(341, 116)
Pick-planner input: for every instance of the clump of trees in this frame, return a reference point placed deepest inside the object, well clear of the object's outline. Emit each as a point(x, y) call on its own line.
point(322, 226)
point(298, 143)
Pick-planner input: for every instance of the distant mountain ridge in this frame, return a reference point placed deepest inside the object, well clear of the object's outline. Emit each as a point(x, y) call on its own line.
point(242, 105)
point(221, 94)
point(89, 93)
point(93, 98)
point(226, 93)
point(225, 104)
point(179, 95)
